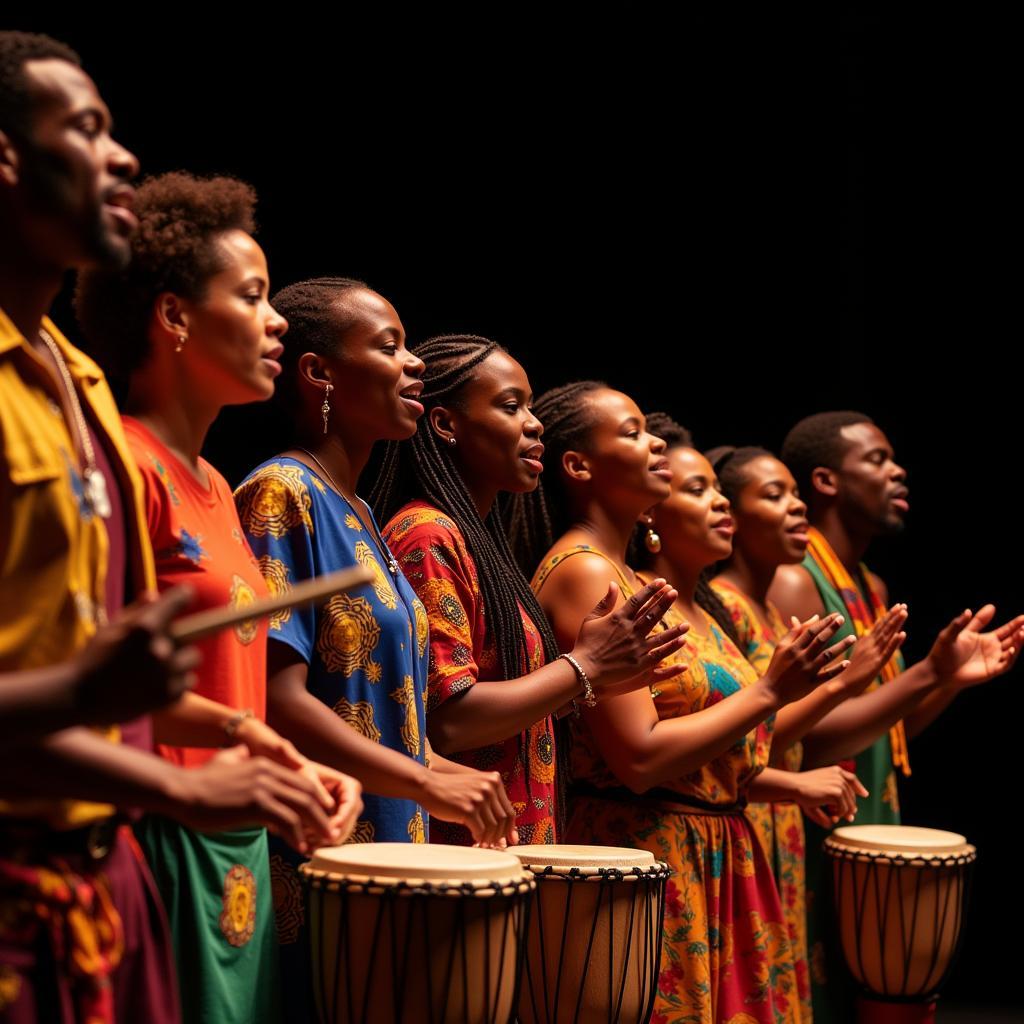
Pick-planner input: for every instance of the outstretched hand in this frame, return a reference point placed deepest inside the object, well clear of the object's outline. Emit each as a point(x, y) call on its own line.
point(966, 656)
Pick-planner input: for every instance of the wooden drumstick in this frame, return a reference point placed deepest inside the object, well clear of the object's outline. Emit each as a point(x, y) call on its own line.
point(194, 627)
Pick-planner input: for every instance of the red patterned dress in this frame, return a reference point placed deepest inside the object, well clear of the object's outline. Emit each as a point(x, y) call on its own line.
point(726, 957)
point(433, 555)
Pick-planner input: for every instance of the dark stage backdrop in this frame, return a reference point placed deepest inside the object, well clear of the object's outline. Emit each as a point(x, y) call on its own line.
point(740, 224)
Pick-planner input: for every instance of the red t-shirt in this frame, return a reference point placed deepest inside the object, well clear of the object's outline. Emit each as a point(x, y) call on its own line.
point(197, 539)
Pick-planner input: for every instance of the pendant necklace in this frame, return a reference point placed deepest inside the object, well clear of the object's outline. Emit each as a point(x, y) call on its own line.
point(94, 485)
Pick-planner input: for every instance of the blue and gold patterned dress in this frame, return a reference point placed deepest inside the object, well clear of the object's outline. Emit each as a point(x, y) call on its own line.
point(366, 651)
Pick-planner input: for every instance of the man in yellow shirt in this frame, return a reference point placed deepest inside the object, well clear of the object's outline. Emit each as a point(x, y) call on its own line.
point(82, 935)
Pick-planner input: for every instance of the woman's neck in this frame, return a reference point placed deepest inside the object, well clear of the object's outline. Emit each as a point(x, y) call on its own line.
point(344, 458)
point(609, 529)
point(751, 578)
point(179, 419)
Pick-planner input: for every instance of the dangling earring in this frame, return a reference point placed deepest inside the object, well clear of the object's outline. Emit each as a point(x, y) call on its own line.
point(325, 409)
point(182, 338)
point(652, 541)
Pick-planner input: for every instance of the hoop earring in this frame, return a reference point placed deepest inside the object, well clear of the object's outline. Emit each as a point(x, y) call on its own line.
point(325, 409)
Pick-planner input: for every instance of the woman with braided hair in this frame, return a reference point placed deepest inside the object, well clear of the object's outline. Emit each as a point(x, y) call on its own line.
point(669, 768)
point(347, 680)
point(496, 675)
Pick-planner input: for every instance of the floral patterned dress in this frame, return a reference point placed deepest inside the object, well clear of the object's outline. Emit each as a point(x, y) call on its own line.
point(725, 957)
point(780, 827)
point(463, 651)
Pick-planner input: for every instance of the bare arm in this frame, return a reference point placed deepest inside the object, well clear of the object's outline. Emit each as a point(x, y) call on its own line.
point(833, 789)
point(127, 669)
point(232, 791)
point(471, 798)
point(793, 592)
point(871, 652)
point(640, 749)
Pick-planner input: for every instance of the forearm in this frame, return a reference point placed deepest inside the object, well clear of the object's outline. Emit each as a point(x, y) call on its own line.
point(80, 764)
point(490, 712)
point(859, 721)
point(929, 709)
point(322, 736)
point(674, 747)
point(773, 786)
point(40, 701)
point(193, 721)
point(794, 721)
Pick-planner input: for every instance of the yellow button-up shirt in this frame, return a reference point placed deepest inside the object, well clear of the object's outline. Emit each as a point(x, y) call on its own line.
point(53, 560)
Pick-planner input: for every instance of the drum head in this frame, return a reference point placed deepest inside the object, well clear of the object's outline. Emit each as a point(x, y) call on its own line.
point(899, 839)
point(401, 862)
point(582, 857)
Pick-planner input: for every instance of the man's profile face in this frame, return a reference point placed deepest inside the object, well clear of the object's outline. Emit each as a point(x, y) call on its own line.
point(72, 175)
point(871, 484)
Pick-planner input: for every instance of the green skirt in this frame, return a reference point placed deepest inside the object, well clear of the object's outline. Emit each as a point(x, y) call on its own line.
point(216, 889)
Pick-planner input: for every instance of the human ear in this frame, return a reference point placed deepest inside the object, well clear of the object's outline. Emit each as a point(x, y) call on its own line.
point(824, 481)
point(576, 466)
point(441, 424)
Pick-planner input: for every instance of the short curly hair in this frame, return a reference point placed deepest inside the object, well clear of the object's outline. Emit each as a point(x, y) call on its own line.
point(16, 48)
point(174, 250)
point(817, 441)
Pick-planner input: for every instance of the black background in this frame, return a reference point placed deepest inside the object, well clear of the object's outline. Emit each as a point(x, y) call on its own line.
point(738, 222)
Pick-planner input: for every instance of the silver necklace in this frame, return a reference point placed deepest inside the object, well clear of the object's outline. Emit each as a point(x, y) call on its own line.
point(94, 486)
point(385, 551)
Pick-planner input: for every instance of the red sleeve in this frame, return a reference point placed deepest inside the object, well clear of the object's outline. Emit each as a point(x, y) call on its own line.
point(435, 561)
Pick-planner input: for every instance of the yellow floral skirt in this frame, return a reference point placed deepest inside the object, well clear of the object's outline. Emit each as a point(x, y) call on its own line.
point(725, 957)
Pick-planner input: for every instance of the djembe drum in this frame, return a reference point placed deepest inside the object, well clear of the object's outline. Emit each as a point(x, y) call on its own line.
point(594, 938)
point(404, 932)
point(900, 894)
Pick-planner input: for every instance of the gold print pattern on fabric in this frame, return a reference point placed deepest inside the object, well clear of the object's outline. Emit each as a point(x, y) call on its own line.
point(381, 584)
point(422, 625)
point(275, 501)
point(348, 636)
point(352, 523)
point(288, 905)
point(275, 572)
point(406, 696)
point(441, 601)
point(362, 833)
point(417, 832)
point(242, 595)
point(238, 913)
point(359, 716)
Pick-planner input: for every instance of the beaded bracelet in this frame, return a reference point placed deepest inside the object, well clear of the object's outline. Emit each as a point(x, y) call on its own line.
point(588, 697)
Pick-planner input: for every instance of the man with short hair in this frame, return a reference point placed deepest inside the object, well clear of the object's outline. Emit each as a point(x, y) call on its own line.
point(855, 491)
point(82, 933)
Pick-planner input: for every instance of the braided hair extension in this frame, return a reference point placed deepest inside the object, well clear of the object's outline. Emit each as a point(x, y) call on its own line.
point(421, 467)
point(536, 520)
point(677, 436)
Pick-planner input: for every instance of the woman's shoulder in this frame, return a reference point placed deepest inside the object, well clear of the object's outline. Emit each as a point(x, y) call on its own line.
point(418, 522)
point(574, 566)
point(277, 496)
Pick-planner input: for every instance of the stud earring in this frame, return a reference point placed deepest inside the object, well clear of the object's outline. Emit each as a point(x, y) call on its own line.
point(451, 440)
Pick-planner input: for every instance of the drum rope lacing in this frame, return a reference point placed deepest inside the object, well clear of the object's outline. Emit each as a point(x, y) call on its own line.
point(654, 876)
point(511, 902)
point(952, 907)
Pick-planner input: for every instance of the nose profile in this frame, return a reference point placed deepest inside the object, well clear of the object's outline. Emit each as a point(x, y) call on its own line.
point(277, 325)
point(122, 162)
point(658, 444)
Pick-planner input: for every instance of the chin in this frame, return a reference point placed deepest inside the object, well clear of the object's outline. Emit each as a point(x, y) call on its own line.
point(891, 526)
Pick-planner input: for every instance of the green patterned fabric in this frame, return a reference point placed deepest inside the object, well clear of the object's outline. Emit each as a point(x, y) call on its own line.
point(216, 889)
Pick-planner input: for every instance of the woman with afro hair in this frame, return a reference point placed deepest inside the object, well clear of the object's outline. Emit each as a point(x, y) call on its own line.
point(186, 329)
